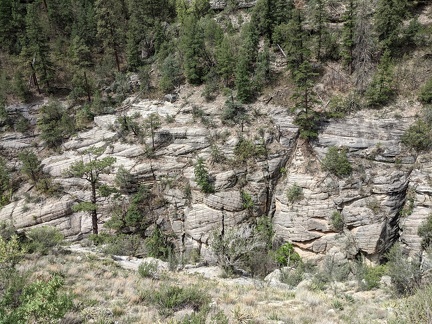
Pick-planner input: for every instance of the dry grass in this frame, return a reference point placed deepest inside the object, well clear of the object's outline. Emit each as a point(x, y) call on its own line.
point(106, 293)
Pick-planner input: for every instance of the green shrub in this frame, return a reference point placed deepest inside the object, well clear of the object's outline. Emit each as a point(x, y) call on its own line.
point(5, 184)
point(415, 309)
point(247, 200)
point(292, 277)
point(337, 221)
point(35, 302)
point(425, 232)
point(405, 273)
point(339, 107)
point(337, 162)
point(55, 124)
point(286, 256)
point(202, 177)
point(426, 92)
point(22, 124)
point(234, 113)
point(418, 136)
point(369, 276)
point(169, 299)
point(43, 239)
point(246, 149)
point(294, 193)
point(241, 249)
point(158, 245)
point(147, 269)
point(124, 244)
point(381, 89)
point(7, 230)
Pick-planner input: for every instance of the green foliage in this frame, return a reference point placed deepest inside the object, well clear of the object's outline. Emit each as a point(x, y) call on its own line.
point(247, 200)
point(11, 252)
point(339, 107)
point(151, 124)
point(234, 113)
point(348, 42)
point(147, 269)
point(40, 301)
point(246, 149)
point(389, 16)
point(5, 184)
point(415, 309)
point(193, 49)
point(381, 89)
point(22, 124)
point(36, 51)
point(7, 230)
point(171, 76)
point(242, 249)
point(337, 221)
point(286, 256)
point(418, 136)
point(405, 273)
point(169, 299)
point(332, 270)
point(158, 245)
point(369, 276)
point(425, 95)
point(292, 277)
point(425, 232)
point(127, 124)
point(337, 162)
point(202, 177)
point(264, 229)
point(55, 124)
point(125, 181)
point(124, 244)
point(91, 171)
point(294, 193)
point(43, 239)
point(31, 166)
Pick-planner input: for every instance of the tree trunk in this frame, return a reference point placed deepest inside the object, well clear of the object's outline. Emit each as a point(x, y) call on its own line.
point(87, 88)
point(94, 211)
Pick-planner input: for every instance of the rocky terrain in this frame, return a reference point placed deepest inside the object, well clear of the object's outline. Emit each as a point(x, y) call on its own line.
point(384, 200)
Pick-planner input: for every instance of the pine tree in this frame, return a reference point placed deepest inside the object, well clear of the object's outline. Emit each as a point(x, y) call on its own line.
point(36, 52)
point(81, 59)
point(320, 28)
point(225, 58)
point(389, 17)
point(109, 31)
point(364, 45)
point(90, 170)
point(243, 79)
point(262, 69)
point(348, 37)
point(299, 56)
point(381, 90)
point(12, 23)
point(193, 49)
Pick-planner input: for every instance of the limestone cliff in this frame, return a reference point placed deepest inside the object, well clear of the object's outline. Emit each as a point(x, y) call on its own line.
point(384, 200)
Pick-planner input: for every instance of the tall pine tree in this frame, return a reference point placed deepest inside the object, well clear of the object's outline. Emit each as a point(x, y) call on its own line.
point(36, 51)
point(347, 52)
point(110, 20)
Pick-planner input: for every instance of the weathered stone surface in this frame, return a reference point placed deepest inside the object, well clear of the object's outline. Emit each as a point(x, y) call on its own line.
point(228, 200)
point(370, 200)
point(201, 221)
point(383, 185)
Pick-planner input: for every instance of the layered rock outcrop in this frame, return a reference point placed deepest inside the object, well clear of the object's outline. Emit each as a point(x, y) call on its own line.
point(386, 197)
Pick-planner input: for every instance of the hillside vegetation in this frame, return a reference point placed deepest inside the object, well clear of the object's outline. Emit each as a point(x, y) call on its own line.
point(273, 138)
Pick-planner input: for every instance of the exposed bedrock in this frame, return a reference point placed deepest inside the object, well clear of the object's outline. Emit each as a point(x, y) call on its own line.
point(386, 198)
